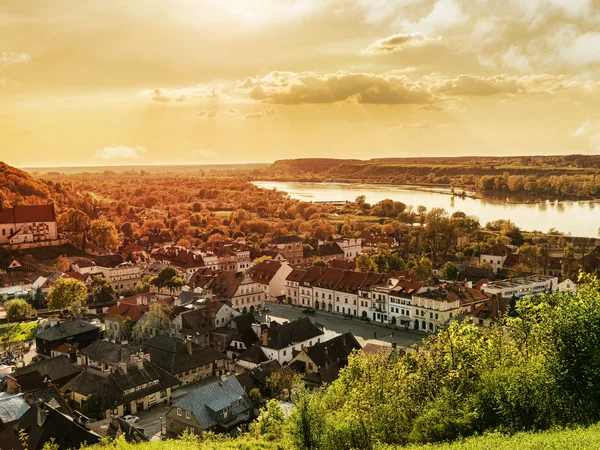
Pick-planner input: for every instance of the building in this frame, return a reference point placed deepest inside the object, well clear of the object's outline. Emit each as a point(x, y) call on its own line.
point(26, 224)
point(495, 256)
point(370, 240)
point(103, 355)
point(290, 247)
point(185, 360)
point(271, 277)
point(237, 288)
point(567, 286)
point(226, 255)
point(75, 332)
point(400, 300)
point(522, 286)
point(439, 305)
point(59, 369)
point(43, 424)
point(347, 291)
point(280, 341)
point(328, 252)
point(122, 274)
point(120, 320)
point(321, 362)
point(132, 385)
point(323, 288)
point(220, 406)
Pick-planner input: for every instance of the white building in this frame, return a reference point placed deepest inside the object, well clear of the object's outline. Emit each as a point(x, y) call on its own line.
point(271, 276)
point(25, 224)
point(280, 341)
point(495, 256)
point(521, 286)
point(567, 286)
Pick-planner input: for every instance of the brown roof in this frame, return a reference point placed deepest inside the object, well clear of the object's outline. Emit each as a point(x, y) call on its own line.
point(376, 349)
point(222, 284)
point(497, 250)
point(296, 274)
point(452, 292)
point(126, 311)
point(332, 248)
point(342, 264)
point(264, 272)
point(312, 274)
point(352, 281)
point(179, 257)
point(28, 214)
point(329, 279)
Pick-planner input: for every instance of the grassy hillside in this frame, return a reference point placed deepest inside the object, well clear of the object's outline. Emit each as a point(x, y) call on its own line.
point(578, 439)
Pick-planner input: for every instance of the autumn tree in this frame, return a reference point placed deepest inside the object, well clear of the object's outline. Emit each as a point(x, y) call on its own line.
point(449, 271)
point(158, 316)
point(73, 221)
point(105, 234)
point(67, 293)
point(421, 267)
point(363, 263)
point(168, 277)
point(101, 290)
point(18, 310)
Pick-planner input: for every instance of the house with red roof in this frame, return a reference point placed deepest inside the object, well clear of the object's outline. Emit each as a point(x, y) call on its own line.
point(30, 223)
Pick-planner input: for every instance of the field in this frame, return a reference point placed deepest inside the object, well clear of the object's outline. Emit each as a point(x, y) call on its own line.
point(11, 333)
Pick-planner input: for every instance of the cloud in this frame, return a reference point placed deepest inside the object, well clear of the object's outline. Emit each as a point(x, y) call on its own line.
point(589, 130)
point(424, 124)
point(206, 153)
point(397, 42)
point(261, 115)
point(232, 111)
point(120, 152)
point(206, 114)
point(200, 91)
point(305, 88)
point(444, 14)
point(7, 59)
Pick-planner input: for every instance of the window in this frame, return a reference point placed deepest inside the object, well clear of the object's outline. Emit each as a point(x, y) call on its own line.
point(284, 352)
point(179, 411)
point(188, 415)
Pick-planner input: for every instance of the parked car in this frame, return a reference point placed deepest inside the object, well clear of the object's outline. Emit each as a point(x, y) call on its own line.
point(309, 311)
point(131, 419)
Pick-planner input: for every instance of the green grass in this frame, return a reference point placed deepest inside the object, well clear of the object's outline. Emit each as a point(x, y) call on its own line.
point(576, 439)
point(18, 332)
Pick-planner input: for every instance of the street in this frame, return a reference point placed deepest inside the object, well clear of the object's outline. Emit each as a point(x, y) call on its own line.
point(363, 331)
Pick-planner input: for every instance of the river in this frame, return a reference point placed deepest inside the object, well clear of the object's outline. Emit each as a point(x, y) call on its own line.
point(579, 218)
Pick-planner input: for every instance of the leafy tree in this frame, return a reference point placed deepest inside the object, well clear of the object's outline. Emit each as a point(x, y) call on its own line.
point(168, 277)
point(307, 420)
point(449, 271)
point(283, 380)
point(269, 423)
point(422, 268)
point(18, 310)
point(105, 234)
point(65, 293)
point(381, 262)
point(144, 284)
point(262, 259)
point(158, 316)
point(62, 264)
point(91, 407)
point(321, 263)
point(363, 263)
point(101, 290)
point(74, 221)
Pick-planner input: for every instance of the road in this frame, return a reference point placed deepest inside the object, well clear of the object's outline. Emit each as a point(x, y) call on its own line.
point(363, 331)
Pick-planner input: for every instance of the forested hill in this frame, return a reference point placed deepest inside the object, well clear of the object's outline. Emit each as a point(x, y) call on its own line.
point(19, 188)
point(573, 176)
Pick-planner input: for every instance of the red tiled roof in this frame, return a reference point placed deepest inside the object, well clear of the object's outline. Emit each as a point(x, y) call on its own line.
point(126, 311)
point(497, 250)
point(28, 214)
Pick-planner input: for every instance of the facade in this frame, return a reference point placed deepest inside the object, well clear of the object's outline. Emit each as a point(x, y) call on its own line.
point(567, 286)
point(220, 406)
point(522, 286)
point(495, 256)
point(271, 276)
point(24, 224)
point(439, 305)
point(280, 341)
point(133, 384)
point(123, 277)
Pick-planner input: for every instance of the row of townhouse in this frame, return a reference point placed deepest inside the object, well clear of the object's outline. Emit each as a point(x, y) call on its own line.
point(398, 301)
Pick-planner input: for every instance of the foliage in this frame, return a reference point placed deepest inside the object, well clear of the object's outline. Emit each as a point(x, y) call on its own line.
point(449, 271)
point(91, 407)
point(66, 293)
point(105, 234)
point(321, 263)
point(168, 277)
point(18, 310)
point(421, 267)
point(262, 259)
point(363, 263)
point(283, 380)
point(13, 333)
point(101, 290)
point(73, 221)
point(144, 284)
point(158, 315)
point(269, 423)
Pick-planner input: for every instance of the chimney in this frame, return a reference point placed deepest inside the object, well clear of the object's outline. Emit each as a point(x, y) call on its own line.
point(29, 399)
point(326, 350)
point(265, 337)
point(344, 340)
point(188, 344)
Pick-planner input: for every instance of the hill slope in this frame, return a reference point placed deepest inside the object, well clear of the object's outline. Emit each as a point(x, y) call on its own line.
point(19, 188)
point(578, 439)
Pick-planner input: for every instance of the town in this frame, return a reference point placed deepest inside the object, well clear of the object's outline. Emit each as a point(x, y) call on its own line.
point(108, 335)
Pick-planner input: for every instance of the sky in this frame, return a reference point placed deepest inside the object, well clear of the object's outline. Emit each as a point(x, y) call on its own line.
point(112, 82)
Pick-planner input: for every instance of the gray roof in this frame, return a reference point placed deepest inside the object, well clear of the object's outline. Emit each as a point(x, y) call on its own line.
point(66, 329)
point(106, 352)
point(56, 368)
point(214, 396)
point(290, 333)
point(12, 407)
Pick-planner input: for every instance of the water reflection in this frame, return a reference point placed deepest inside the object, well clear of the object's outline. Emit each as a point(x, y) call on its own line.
point(577, 218)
